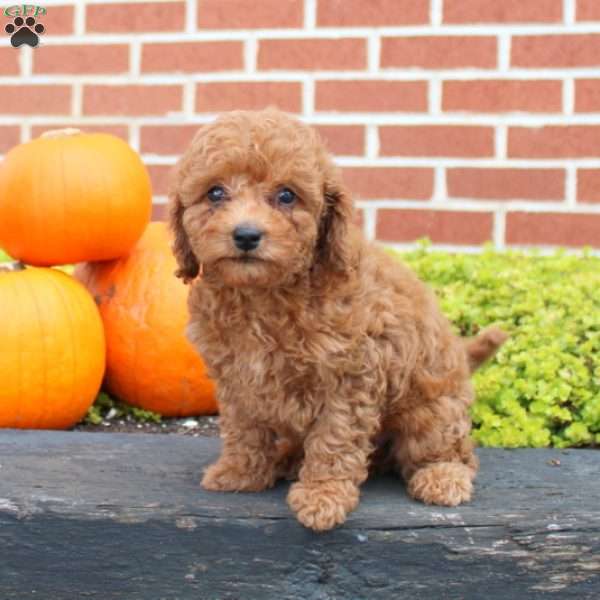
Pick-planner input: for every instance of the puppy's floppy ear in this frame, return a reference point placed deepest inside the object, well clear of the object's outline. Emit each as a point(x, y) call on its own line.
point(333, 244)
point(186, 260)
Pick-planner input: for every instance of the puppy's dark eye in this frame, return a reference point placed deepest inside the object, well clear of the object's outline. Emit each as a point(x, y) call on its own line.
point(286, 196)
point(216, 194)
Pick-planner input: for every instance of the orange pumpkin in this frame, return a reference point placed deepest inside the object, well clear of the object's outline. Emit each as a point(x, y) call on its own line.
point(52, 352)
point(69, 196)
point(149, 362)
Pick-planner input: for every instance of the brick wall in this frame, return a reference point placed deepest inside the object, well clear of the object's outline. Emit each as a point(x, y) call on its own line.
point(461, 120)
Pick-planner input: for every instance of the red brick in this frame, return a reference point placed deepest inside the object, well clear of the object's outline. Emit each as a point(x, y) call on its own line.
point(588, 185)
point(389, 182)
point(442, 227)
point(9, 61)
point(131, 99)
point(506, 184)
point(439, 52)
point(121, 131)
point(249, 14)
point(552, 51)
point(58, 20)
point(35, 99)
point(572, 141)
point(249, 95)
point(10, 135)
point(553, 229)
point(86, 59)
point(503, 11)
point(502, 96)
point(159, 176)
point(587, 95)
point(371, 96)
point(588, 10)
point(159, 212)
point(191, 57)
point(358, 13)
point(343, 140)
point(436, 140)
point(313, 54)
point(166, 139)
point(135, 17)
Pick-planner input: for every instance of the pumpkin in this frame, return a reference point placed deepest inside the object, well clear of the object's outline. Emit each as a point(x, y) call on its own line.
point(70, 196)
point(149, 362)
point(52, 352)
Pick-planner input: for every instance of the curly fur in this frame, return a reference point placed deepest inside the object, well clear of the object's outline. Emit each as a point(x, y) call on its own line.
point(323, 347)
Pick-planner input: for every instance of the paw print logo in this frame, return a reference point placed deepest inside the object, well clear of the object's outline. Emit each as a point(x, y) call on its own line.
point(24, 31)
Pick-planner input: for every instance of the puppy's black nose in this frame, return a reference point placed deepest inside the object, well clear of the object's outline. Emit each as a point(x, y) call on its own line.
point(247, 237)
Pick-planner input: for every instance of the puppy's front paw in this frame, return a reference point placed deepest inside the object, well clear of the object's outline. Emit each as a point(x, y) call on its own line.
point(228, 477)
point(322, 506)
point(446, 484)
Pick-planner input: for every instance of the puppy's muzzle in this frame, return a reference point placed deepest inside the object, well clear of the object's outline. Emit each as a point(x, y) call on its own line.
point(246, 237)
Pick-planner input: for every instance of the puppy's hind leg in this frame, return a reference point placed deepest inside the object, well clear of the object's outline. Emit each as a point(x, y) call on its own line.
point(434, 452)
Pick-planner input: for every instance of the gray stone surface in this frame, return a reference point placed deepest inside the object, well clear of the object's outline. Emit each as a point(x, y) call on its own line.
point(121, 516)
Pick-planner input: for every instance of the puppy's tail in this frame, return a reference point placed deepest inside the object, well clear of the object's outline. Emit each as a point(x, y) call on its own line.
point(483, 346)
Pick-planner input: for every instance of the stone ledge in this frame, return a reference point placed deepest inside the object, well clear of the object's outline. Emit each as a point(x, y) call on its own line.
point(121, 516)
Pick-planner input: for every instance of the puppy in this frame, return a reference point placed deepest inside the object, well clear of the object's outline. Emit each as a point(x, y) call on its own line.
point(320, 343)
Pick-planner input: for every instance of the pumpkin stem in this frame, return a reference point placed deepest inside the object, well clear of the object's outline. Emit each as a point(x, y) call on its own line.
point(56, 133)
point(11, 267)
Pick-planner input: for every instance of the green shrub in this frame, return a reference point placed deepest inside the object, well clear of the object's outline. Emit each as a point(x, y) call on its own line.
point(107, 408)
point(543, 387)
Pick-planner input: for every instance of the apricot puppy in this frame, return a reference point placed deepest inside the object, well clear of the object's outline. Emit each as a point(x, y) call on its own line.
point(319, 342)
